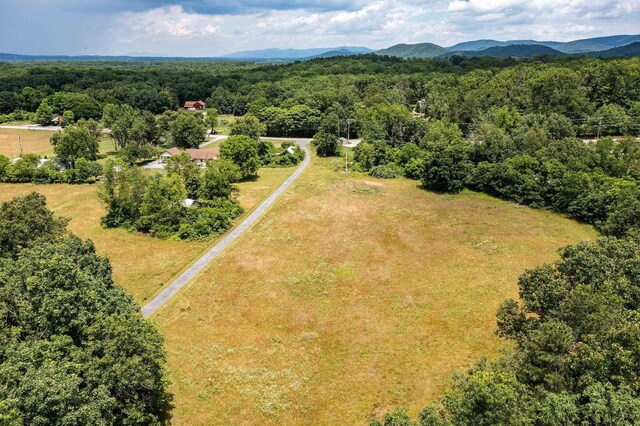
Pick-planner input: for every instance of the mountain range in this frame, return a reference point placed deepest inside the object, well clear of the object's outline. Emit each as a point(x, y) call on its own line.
point(611, 46)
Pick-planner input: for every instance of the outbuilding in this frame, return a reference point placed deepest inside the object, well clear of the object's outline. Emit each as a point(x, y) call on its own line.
point(194, 105)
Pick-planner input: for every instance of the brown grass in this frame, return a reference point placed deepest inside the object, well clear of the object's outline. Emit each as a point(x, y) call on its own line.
point(352, 295)
point(141, 264)
point(33, 142)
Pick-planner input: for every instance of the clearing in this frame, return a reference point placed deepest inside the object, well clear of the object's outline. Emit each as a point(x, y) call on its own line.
point(33, 142)
point(141, 264)
point(350, 296)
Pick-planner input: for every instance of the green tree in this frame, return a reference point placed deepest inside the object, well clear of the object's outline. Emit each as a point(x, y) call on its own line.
point(211, 119)
point(446, 165)
point(127, 125)
point(243, 151)
point(68, 118)
point(188, 171)
point(162, 206)
point(327, 144)
point(75, 349)
point(187, 131)
point(25, 221)
point(44, 113)
point(218, 178)
point(73, 143)
point(250, 126)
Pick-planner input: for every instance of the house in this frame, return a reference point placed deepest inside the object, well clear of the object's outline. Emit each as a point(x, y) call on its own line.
point(194, 105)
point(198, 156)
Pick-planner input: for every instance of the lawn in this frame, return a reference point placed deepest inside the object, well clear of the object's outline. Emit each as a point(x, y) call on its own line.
point(141, 264)
point(350, 296)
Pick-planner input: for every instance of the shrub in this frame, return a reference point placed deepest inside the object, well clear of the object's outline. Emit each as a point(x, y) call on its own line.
point(387, 171)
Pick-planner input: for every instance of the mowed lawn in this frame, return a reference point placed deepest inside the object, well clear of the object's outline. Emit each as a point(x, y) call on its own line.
point(141, 264)
point(350, 296)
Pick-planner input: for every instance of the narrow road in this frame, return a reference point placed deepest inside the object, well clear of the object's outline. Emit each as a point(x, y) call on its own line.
point(201, 263)
point(31, 127)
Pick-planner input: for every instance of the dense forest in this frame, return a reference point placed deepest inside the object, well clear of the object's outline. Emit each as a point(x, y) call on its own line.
point(597, 96)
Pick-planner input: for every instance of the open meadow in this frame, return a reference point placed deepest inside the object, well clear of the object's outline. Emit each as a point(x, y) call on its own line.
point(350, 296)
point(33, 142)
point(141, 264)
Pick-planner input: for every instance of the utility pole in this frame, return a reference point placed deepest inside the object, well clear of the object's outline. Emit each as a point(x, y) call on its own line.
point(346, 148)
point(20, 143)
point(599, 127)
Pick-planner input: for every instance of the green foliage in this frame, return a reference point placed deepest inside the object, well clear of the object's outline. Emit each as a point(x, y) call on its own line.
point(75, 348)
point(446, 165)
point(218, 179)
point(386, 171)
point(129, 126)
point(327, 144)
point(44, 114)
point(73, 143)
point(29, 168)
point(25, 221)
point(249, 126)
point(211, 119)
point(213, 219)
point(243, 152)
point(68, 118)
point(187, 131)
point(156, 204)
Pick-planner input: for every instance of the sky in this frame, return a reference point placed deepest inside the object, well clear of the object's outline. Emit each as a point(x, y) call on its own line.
point(214, 27)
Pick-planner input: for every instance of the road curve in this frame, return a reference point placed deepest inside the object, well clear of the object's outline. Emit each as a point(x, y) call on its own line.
point(201, 263)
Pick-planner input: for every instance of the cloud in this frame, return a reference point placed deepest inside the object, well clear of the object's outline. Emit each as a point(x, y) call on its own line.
point(213, 27)
point(168, 22)
point(545, 9)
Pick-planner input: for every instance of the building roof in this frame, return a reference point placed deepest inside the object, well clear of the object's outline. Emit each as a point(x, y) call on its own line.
point(195, 154)
point(191, 104)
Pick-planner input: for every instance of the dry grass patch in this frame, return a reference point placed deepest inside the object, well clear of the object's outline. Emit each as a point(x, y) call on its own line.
point(33, 142)
point(141, 264)
point(350, 296)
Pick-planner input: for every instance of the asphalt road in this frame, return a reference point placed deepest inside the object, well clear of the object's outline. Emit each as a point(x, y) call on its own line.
point(201, 263)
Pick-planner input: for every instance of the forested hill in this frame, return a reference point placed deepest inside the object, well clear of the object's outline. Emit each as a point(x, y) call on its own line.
point(629, 50)
point(518, 50)
point(421, 50)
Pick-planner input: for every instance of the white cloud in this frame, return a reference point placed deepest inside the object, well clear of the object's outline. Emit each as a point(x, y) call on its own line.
point(169, 22)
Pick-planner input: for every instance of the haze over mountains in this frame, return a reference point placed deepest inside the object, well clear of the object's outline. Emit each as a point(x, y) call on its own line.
point(611, 46)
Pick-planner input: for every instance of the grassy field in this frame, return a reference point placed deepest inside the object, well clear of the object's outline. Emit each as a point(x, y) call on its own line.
point(37, 142)
point(224, 124)
point(141, 264)
point(352, 295)
point(33, 142)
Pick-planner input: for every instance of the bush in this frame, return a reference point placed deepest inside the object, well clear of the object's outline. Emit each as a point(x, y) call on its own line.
point(208, 221)
point(387, 171)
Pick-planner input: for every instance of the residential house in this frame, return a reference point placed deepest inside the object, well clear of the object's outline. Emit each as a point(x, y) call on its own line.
point(198, 156)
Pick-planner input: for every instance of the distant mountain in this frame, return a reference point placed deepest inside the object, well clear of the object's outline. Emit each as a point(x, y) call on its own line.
point(14, 57)
point(333, 53)
point(516, 50)
point(577, 46)
point(293, 54)
point(421, 50)
point(628, 50)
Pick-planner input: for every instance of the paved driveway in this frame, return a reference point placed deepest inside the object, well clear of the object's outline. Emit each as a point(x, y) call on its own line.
point(209, 256)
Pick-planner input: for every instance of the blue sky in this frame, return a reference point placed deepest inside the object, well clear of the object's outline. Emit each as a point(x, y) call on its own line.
point(214, 27)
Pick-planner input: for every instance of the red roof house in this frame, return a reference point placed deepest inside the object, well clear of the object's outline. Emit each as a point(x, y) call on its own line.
point(194, 105)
